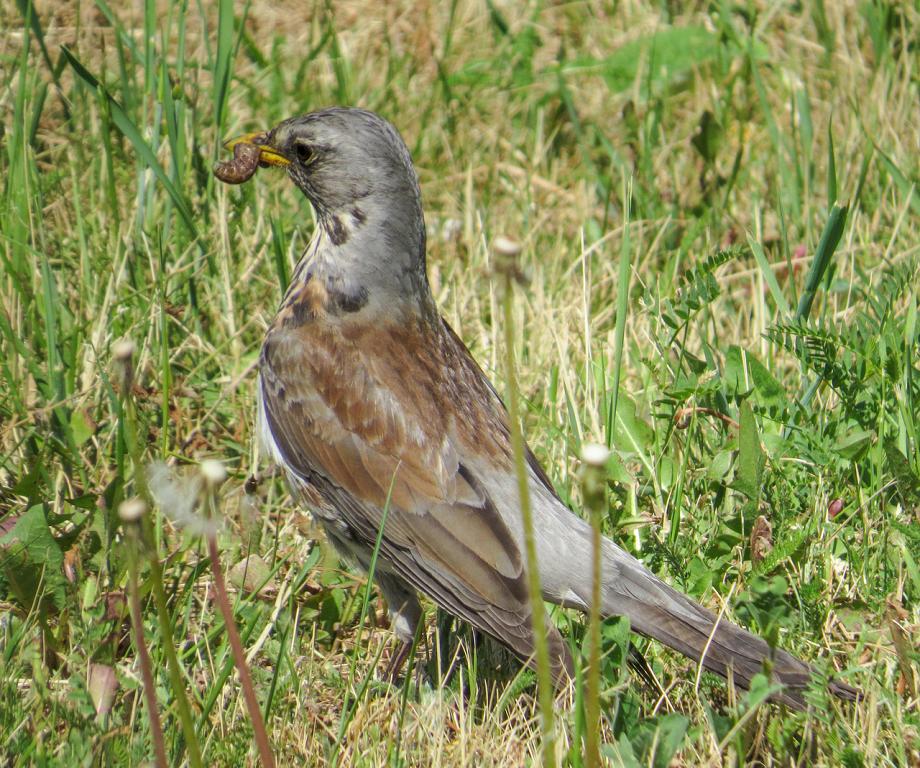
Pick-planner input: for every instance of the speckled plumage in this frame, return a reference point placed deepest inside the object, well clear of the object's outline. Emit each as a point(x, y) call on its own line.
point(366, 394)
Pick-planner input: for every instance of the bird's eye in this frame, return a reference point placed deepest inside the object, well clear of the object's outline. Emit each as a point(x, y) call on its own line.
point(305, 153)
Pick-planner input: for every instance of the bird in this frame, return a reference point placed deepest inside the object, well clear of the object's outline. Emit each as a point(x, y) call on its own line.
point(379, 415)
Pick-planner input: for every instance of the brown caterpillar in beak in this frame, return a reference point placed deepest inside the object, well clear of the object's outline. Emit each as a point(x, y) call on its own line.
point(242, 167)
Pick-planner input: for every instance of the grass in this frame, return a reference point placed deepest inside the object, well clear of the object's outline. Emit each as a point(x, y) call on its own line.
point(719, 211)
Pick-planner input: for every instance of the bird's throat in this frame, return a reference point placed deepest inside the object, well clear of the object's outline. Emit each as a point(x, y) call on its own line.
point(354, 266)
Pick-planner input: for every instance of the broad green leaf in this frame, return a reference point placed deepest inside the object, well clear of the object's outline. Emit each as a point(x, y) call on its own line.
point(615, 643)
point(657, 739)
point(720, 466)
point(617, 470)
point(80, 427)
point(621, 753)
point(769, 390)
point(761, 689)
point(630, 433)
point(737, 380)
point(744, 373)
point(708, 137)
point(751, 459)
point(684, 386)
point(906, 481)
point(854, 444)
point(699, 577)
point(32, 562)
point(668, 470)
point(662, 57)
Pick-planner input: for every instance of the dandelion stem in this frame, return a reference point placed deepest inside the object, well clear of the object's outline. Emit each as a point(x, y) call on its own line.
point(137, 625)
point(239, 656)
point(594, 494)
point(124, 359)
point(537, 609)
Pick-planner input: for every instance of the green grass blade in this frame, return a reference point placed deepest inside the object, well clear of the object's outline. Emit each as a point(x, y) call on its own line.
point(226, 45)
point(831, 168)
point(623, 278)
point(830, 238)
point(31, 18)
point(769, 276)
point(131, 132)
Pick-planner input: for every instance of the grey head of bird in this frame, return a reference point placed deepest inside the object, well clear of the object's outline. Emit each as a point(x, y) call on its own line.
point(356, 171)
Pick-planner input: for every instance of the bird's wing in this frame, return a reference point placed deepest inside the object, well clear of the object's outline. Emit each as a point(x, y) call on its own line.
point(370, 414)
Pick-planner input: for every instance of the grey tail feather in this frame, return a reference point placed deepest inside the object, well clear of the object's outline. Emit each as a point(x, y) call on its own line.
point(656, 610)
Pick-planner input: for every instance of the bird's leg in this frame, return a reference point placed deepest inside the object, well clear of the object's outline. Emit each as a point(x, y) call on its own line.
point(405, 614)
point(397, 661)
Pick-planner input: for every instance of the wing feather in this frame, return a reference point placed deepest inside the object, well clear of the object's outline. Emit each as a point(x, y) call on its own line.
point(345, 422)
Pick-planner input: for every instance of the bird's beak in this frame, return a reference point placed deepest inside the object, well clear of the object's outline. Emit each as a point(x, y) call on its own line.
point(268, 155)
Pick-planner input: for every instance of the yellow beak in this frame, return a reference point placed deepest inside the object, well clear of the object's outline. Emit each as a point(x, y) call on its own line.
point(268, 155)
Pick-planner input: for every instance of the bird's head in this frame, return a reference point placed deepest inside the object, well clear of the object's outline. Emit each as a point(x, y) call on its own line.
point(343, 159)
point(356, 171)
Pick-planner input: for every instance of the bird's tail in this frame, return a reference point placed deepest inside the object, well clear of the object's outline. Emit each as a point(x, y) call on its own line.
point(660, 612)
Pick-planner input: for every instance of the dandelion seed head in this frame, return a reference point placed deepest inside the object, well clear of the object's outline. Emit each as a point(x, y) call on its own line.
point(179, 496)
point(594, 454)
point(123, 350)
point(132, 510)
point(213, 472)
point(505, 246)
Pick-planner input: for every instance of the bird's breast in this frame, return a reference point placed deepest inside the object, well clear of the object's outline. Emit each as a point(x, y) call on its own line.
point(317, 296)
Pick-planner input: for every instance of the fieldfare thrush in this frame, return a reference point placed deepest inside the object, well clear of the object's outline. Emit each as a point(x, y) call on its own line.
point(369, 401)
